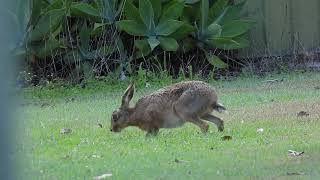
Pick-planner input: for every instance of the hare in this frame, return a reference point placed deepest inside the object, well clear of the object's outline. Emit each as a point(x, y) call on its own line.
point(169, 107)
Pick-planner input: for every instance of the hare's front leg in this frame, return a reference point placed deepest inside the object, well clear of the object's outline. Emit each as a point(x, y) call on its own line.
point(215, 120)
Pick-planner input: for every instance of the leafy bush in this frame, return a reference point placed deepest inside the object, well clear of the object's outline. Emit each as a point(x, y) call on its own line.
point(154, 23)
point(114, 35)
point(218, 26)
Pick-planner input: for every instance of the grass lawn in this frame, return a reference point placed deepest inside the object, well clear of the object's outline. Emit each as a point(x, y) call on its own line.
point(182, 153)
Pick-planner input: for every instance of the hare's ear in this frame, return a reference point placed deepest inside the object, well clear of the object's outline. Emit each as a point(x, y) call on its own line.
point(127, 96)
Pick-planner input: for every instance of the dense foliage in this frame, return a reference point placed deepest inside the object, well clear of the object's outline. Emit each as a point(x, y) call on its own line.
point(81, 39)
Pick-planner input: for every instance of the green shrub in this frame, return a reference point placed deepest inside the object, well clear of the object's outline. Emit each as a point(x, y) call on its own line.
point(76, 35)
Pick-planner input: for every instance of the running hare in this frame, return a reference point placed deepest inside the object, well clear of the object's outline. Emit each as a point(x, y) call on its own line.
point(169, 107)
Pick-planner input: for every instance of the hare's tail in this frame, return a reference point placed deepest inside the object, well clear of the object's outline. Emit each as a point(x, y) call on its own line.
point(219, 107)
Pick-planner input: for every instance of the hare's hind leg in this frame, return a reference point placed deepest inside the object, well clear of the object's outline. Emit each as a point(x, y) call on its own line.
point(191, 117)
point(188, 106)
point(215, 120)
point(195, 120)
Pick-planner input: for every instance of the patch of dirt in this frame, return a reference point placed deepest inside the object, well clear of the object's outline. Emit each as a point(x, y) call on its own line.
point(278, 110)
point(283, 84)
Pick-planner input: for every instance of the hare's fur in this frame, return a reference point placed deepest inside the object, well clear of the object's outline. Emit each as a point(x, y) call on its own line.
point(169, 107)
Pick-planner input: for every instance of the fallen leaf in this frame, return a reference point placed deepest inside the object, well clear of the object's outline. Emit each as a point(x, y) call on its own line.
point(260, 130)
point(103, 176)
point(273, 80)
point(302, 114)
point(45, 104)
point(179, 161)
point(95, 156)
point(294, 173)
point(225, 138)
point(65, 131)
point(295, 153)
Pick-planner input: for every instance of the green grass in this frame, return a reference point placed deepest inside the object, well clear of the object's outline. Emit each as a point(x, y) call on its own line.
point(90, 151)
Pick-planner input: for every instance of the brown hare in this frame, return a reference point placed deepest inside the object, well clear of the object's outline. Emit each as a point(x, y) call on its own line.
point(169, 107)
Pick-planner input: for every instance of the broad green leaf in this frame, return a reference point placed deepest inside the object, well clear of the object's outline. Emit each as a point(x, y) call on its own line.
point(183, 31)
point(98, 25)
point(220, 18)
point(229, 43)
point(191, 14)
point(143, 46)
point(168, 27)
point(174, 11)
point(204, 13)
point(217, 9)
point(191, 1)
point(153, 42)
point(119, 7)
point(157, 8)
point(85, 37)
point(107, 9)
point(47, 48)
point(233, 12)
point(36, 7)
point(98, 29)
point(57, 31)
point(214, 30)
point(187, 44)
point(236, 27)
point(132, 27)
point(215, 61)
point(84, 10)
point(132, 13)
point(47, 23)
point(168, 44)
point(147, 14)
point(57, 4)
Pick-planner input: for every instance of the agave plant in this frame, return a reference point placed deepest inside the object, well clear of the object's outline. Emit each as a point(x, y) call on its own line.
point(154, 22)
point(220, 26)
point(104, 11)
point(39, 23)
